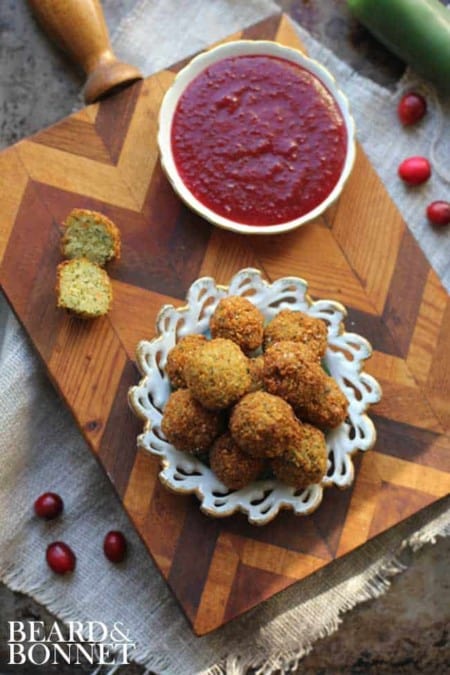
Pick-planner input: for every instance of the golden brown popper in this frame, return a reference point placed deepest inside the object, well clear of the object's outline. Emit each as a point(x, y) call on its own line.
point(290, 372)
point(217, 373)
point(178, 357)
point(189, 426)
point(297, 327)
point(237, 319)
point(261, 424)
point(304, 460)
point(233, 466)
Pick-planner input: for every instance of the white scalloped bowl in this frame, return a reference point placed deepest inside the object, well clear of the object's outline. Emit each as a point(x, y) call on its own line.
point(239, 48)
point(344, 359)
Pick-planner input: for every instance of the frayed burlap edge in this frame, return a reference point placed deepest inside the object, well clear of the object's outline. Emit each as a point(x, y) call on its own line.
point(372, 588)
point(263, 664)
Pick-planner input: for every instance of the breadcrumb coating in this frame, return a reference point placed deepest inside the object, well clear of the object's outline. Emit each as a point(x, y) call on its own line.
point(290, 373)
point(327, 408)
point(187, 425)
point(231, 465)
point(261, 423)
point(178, 357)
point(304, 461)
point(237, 319)
point(297, 327)
point(217, 373)
point(256, 367)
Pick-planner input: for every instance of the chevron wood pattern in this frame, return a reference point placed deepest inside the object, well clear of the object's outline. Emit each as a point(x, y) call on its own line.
point(360, 253)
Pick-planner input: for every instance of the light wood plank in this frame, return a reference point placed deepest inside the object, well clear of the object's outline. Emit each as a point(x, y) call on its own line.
point(311, 252)
point(277, 560)
point(369, 228)
point(87, 362)
point(77, 174)
point(218, 585)
point(139, 492)
point(139, 153)
point(14, 180)
point(426, 332)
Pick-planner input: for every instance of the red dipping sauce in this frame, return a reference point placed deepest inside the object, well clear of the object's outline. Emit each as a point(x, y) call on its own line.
point(258, 139)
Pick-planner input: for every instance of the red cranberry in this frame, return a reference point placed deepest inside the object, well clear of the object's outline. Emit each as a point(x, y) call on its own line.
point(49, 505)
point(60, 557)
point(411, 108)
point(115, 546)
point(439, 212)
point(415, 170)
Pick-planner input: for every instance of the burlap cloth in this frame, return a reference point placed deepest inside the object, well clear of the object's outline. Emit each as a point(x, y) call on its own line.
point(41, 449)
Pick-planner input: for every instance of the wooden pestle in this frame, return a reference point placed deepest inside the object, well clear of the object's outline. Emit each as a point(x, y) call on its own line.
point(79, 28)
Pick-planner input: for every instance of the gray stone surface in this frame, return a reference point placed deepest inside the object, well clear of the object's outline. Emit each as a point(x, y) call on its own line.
point(37, 86)
point(405, 631)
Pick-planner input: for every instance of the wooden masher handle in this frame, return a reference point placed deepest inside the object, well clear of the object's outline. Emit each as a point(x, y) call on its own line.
point(79, 28)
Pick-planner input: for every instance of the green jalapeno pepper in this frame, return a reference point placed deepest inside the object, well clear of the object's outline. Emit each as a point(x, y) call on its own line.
point(417, 31)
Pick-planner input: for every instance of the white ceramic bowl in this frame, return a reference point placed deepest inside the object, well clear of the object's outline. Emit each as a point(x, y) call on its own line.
point(344, 359)
point(194, 68)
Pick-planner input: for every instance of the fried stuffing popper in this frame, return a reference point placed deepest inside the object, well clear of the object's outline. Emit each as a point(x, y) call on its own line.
point(261, 424)
point(237, 319)
point(291, 373)
point(188, 425)
point(231, 465)
point(178, 357)
point(304, 460)
point(297, 327)
point(217, 373)
point(327, 407)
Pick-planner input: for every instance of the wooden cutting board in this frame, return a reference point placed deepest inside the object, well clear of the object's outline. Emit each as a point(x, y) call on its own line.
point(360, 253)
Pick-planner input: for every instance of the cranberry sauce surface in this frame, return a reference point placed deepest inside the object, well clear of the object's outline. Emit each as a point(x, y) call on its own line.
point(258, 139)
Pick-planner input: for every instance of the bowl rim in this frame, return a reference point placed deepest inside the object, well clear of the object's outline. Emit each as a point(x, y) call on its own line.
point(241, 48)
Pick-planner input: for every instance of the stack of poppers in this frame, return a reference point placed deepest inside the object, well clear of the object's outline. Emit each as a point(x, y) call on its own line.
point(255, 398)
